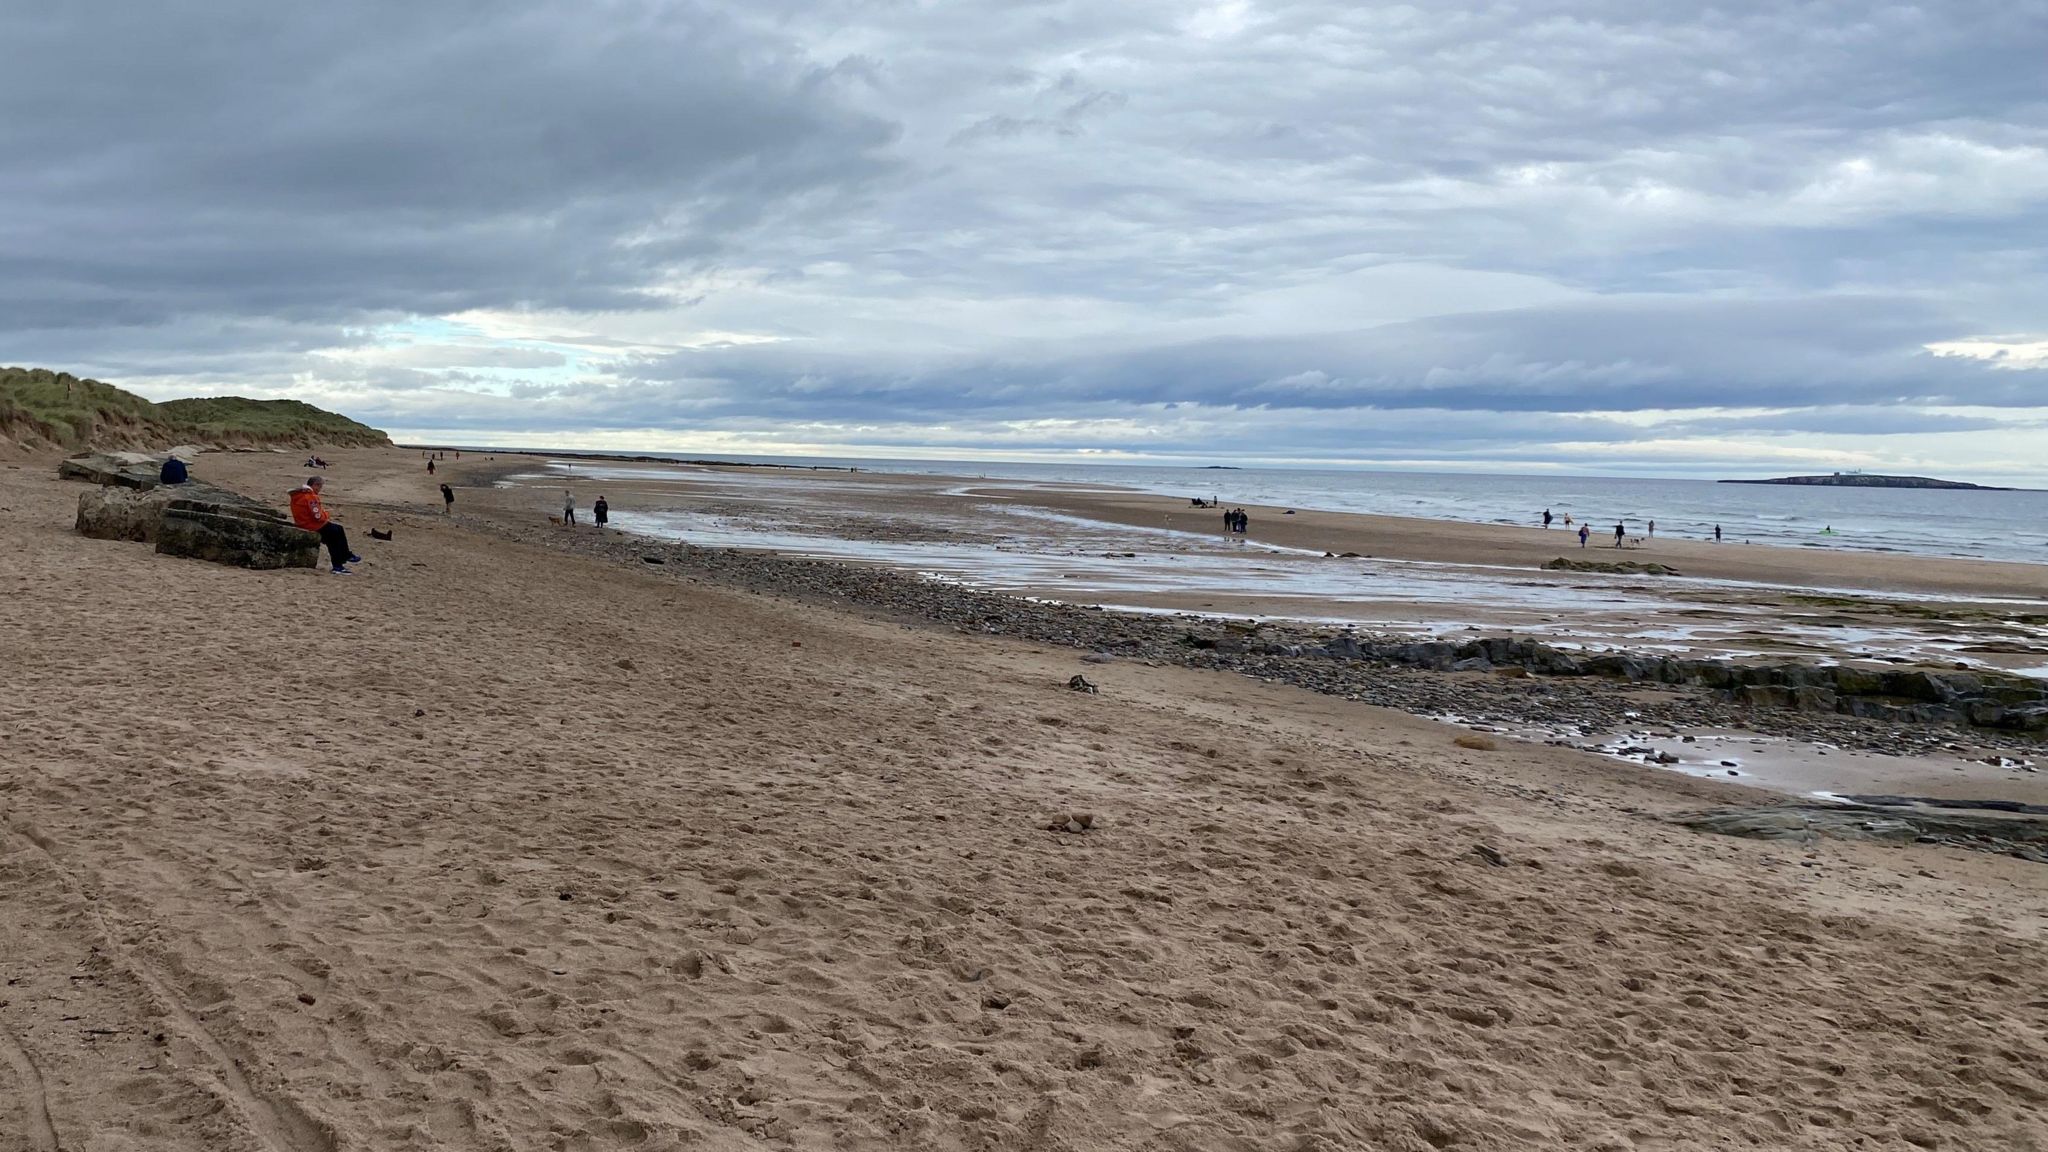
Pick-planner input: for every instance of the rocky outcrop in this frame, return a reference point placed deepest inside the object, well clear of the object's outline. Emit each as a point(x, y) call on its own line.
point(1887, 819)
point(113, 513)
point(1976, 698)
point(227, 533)
point(135, 470)
point(1623, 567)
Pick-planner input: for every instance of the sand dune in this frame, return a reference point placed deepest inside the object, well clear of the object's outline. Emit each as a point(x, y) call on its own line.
point(491, 846)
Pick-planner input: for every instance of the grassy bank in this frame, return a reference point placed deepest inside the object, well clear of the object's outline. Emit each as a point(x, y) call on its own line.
point(40, 408)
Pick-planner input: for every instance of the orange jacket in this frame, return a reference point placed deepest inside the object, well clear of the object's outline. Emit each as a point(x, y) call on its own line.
point(306, 510)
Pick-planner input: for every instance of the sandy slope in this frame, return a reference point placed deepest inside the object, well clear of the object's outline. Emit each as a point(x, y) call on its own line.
point(495, 847)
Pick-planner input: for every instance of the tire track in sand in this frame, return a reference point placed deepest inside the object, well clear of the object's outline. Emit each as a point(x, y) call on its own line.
point(274, 1119)
point(42, 1135)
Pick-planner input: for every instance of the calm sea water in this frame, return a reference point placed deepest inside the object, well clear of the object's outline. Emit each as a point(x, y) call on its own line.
point(1985, 525)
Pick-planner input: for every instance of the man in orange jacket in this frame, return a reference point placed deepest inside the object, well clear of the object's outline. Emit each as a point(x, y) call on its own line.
point(308, 514)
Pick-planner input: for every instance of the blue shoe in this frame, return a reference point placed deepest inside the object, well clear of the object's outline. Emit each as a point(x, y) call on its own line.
point(354, 559)
point(340, 570)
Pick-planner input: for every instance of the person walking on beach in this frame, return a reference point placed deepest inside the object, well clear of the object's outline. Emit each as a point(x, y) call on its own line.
point(1717, 533)
point(447, 500)
point(1244, 522)
point(430, 467)
point(1619, 532)
point(1653, 529)
point(568, 508)
point(1546, 517)
point(310, 514)
point(601, 511)
point(1585, 533)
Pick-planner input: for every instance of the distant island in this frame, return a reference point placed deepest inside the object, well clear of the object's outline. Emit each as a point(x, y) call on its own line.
point(1865, 480)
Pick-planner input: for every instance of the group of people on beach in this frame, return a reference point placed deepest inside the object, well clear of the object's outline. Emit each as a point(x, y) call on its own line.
point(600, 512)
point(1237, 520)
point(1620, 530)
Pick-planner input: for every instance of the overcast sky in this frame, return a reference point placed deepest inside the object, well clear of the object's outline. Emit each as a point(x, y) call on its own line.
point(1607, 235)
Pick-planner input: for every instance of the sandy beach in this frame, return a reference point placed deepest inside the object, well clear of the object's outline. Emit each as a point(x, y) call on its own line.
point(498, 845)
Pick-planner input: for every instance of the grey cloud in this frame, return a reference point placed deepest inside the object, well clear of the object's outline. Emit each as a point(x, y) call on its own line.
point(342, 161)
point(1611, 354)
point(1756, 205)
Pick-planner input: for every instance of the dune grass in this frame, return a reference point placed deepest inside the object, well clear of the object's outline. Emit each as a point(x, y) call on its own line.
point(38, 405)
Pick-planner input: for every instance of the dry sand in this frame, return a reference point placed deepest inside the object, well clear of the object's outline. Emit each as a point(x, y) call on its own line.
point(491, 846)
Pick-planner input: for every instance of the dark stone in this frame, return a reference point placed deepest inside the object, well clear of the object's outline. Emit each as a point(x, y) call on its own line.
point(1812, 699)
point(2025, 719)
point(122, 470)
point(231, 535)
point(114, 513)
point(1766, 696)
point(1912, 684)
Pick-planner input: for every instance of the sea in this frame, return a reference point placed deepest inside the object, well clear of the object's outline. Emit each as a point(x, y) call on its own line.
point(1978, 524)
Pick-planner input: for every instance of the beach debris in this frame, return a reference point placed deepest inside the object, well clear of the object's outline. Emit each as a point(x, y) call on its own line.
point(995, 1001)
point(1476, 743)
point(1079, 683)
point(380, 534)
point(1097, 658)
point(1490, 855)
point(625, 663)
point(654, 559)
point(1075, 822)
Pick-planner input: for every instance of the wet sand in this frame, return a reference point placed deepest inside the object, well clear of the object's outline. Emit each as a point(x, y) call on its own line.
point(495, 845)
point(1132, 551)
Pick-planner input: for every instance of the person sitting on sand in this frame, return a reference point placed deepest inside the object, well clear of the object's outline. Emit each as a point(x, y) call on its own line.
point(601, 512)
point(173, 471)
point(447, 499)
point(568, 508)
point(308, 513)
point(1585, 532)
